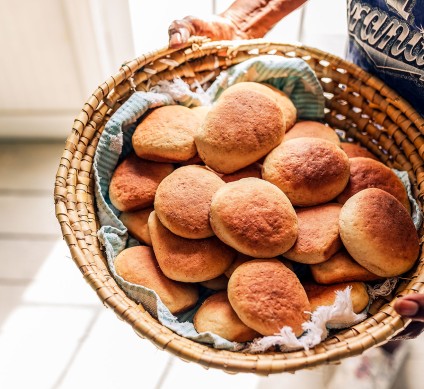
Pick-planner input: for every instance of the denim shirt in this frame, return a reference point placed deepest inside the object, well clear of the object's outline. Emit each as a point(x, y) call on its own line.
point(386, 38)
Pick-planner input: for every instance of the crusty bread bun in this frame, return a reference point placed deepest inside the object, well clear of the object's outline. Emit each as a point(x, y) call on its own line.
point(138, 265)
point(134, 183)
point(254, 217)
point(217, 316)
point(378, 232)
point(267, 296)
point(242, 127)
point(183, 200)
point(281, 99)
point(368, 173)
point(166, 134)
point(312, 129)
point(355, 150)
point(201, 111)
point(253, 170)
point(309, 171)
point(188, 260)
point(136, 223)
point(240, 259)
point(318, 237)
point(217, 283)
point(324, 295)
point(341, 267)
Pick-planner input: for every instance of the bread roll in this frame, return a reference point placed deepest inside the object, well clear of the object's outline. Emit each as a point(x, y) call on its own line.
point(311, 129)
point(378, 233)
point(267, 296)
point(166, 134)
point(318, 237)
point(253, 170)
point(134, 183)
point(218, 283)
point(309, 171)
point(240, 259)
point(341, 267)
point(217, 316)
point(136, 223)
point(242, 127)
point(281, 99)
point(368, 173)
point(183, 201)
point(138, 265)
point(254, 217)
point(325, 295)
point(355, 150)
point(188, 260)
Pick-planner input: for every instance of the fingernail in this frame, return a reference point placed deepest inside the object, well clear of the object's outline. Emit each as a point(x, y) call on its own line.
point(175, 39)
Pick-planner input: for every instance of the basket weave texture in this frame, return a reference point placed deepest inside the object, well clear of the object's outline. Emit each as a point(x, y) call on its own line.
point(357, 103)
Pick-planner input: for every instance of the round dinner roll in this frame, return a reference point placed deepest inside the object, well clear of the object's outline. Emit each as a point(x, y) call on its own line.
point(134, 182)
point(217, 283)
point(253, 170)
point(378, 232)
point(311, 129)
point(355, 150)
point(254, 217)
point(341, 267)
point(183, 200)
point(309, 171)
point(282, 100)
point(242, 127)
point(368, 173)
point(136, 223)
point(267, 296)
point(188, 260)
point(201, 111)
point(325, 295)
point(138, 265)
point(240, 259)
point(217, 316)
point(166, 134)
point(318, 235)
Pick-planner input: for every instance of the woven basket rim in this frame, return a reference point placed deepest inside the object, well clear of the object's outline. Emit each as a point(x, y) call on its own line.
point(75, 206)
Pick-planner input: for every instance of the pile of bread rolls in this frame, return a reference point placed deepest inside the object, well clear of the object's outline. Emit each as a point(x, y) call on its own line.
point(235, 196)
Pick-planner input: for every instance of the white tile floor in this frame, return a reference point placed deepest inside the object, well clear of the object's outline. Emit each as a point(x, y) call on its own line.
point(55, 333)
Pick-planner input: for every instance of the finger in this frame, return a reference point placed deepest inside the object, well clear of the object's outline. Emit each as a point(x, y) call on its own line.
point(411, 307)
point(179, 32)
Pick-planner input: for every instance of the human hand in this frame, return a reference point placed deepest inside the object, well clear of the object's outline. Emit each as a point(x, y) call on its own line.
point(412, 307)
point(215, 28)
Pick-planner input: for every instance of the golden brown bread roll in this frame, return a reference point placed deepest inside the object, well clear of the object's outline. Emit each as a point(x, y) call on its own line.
point(242, 127)
point(166, 134)
point(188, 260)
point(281, 99)
point(368, 173)
point(312, 129)
point(355, 150)
point(240, 258)
point(217, 316)
point(139, 266)
point(254, 217)
point(318, 237)
point(218, 283)
point(201, 111)
point(324, 295)
point(267, 296)
point(136, 223)
point(253, 170)
point(378, 232)
point(341, 267)
point(309, 171)
point(134, 183)
point(183, 200)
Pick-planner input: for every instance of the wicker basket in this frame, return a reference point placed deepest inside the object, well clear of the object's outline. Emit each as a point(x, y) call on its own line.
point(357, 103)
